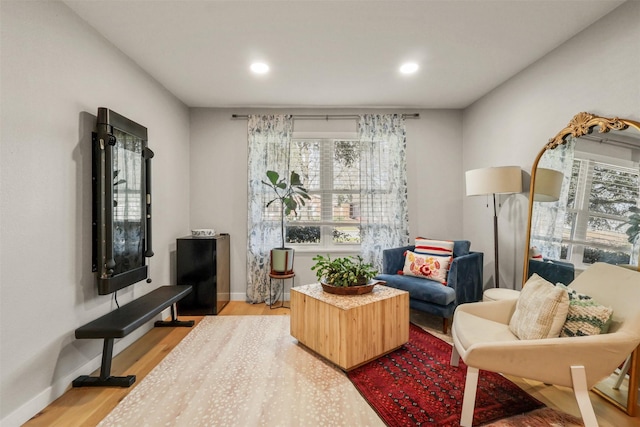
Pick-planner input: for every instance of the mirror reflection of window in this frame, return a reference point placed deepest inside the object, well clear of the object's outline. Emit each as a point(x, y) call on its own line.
point(601, 195)
point(592, 220)
point(128, 231)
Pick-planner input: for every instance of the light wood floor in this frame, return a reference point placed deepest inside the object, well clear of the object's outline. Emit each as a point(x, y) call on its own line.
point(88, 406)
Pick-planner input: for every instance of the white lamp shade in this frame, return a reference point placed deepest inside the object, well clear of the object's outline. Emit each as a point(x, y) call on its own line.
point(547, 185)
point(495, 180)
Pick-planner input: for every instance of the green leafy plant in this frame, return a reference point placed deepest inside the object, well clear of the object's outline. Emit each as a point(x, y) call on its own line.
point(290, 194)
point(634, 228)
point(347, 271)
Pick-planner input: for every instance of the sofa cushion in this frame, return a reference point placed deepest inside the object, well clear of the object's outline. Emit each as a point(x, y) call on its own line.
point(471, 329)
point(427, 266)
point(461, 248)
point(585, 316)
point(420, 289)
point(541, 310)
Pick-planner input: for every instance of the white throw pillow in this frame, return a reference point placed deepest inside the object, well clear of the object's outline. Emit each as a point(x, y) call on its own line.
point(427, 266)
point(541, 310)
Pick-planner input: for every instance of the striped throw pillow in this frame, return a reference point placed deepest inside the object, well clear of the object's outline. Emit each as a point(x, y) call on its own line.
point(585, 316)
point(434, 247)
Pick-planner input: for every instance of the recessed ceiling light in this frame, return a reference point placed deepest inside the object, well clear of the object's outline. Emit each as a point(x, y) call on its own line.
point(259, 67)
point(409, 68)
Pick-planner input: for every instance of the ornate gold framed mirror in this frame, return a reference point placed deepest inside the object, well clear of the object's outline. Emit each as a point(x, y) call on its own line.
point(584, 207)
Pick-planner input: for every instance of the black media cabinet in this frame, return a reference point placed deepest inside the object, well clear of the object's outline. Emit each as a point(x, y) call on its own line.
point(124, 320)
point(204, 264)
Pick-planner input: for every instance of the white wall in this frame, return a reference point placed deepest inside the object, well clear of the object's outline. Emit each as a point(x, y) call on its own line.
point(56, 72)
point(597, 71)
point(219, 177)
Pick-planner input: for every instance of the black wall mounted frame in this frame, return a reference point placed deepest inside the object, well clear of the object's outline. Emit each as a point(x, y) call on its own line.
point(118, 264)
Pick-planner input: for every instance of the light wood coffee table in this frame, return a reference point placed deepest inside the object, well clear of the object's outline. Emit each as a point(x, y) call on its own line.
point(350, 330)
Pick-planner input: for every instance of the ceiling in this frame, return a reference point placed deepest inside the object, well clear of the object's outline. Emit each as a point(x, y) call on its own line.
point(336, 53)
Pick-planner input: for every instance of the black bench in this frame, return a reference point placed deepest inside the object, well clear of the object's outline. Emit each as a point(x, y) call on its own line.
point(124, 320)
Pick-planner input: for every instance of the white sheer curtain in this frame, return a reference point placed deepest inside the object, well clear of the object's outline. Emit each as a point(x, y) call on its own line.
point(383, 185)
point(635, 249)
point(269, 138)
point(548, 218)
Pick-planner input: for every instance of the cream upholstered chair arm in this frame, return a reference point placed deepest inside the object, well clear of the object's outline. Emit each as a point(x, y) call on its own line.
point(483, 340)
point(549, 360)
point(496, 311)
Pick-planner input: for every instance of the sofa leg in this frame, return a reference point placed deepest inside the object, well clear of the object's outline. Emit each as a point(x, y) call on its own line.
point(445, 325)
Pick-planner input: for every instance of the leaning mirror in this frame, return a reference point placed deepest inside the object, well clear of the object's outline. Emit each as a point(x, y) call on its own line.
point(585, 208)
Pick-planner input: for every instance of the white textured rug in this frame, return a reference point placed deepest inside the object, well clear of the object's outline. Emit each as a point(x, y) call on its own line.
point(243, 371)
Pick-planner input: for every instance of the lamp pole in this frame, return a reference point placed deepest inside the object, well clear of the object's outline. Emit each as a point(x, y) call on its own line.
point(495, 241)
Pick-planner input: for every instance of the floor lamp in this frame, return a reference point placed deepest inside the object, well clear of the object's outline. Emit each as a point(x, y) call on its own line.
point(494, 180)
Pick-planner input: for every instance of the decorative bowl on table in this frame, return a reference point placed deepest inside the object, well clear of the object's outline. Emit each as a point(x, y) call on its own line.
point(351, 290)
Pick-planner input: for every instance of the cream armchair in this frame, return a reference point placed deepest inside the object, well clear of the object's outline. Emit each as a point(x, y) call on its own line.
point(483, 340)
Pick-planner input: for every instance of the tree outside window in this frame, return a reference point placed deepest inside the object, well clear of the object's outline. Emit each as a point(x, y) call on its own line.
point(602, 198)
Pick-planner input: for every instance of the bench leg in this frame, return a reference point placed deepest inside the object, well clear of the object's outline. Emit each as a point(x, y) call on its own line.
point(174, 320)
point(105, 379)
point(107, 355)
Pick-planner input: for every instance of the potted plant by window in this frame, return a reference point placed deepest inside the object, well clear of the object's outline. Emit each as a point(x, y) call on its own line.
point(344, 276)
point(290, 194)
point(633, 232)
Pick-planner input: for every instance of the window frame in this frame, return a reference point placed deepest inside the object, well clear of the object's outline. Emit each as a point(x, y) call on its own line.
point(326, 193)
point(579, 227)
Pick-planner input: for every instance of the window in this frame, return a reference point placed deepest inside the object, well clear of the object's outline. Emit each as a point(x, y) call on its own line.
point(600, 197)
point(330, 171)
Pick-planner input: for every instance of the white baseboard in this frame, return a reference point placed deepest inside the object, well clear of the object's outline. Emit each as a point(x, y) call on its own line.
point(238, 296)
point(241, 296)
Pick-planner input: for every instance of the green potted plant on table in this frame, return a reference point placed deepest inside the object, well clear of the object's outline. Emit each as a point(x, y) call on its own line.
point(348, 275)
point(290, 194)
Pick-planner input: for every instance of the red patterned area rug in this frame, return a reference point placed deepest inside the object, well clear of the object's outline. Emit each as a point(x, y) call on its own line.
point(415, 385)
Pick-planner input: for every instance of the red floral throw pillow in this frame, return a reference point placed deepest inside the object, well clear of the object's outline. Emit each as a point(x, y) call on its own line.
point(427, 266)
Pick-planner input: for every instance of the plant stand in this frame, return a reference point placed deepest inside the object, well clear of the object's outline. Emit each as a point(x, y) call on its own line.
point(282, 278)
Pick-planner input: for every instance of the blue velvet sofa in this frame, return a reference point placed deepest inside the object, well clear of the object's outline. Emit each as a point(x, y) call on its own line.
point(464, 281)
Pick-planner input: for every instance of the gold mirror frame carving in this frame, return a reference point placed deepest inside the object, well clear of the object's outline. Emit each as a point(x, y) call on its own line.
point(583, 124)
